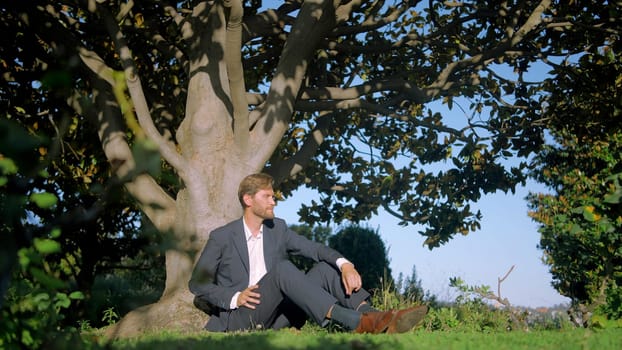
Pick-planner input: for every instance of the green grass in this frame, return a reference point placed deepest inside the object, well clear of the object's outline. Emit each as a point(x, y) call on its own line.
point(274, 340)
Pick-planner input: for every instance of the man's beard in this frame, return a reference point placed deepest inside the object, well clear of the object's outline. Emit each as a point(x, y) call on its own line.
point(265, 214)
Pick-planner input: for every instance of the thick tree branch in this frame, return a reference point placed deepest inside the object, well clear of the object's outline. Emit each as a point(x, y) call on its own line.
point(416, 94)
point(283, 169)
point(316, 18)
point(384, 111)
point(371, 23)
point(166, 148)
point(103, 111)
point(97, 65)
point(535, 19)
point(235, 72)
point(269, 22)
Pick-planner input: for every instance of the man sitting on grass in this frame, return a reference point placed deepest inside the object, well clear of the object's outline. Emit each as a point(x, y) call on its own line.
point(245, 280)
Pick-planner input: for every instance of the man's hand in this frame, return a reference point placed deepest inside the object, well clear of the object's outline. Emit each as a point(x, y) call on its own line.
point(350, 278)
point(248, 297)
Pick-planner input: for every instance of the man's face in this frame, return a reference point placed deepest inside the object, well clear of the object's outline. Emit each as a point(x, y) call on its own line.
point(262, 203)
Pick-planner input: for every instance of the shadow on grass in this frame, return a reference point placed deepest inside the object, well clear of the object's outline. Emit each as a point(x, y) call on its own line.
point(273, 340)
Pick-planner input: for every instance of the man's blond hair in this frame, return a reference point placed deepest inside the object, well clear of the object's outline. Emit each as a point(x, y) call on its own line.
point(252, 184)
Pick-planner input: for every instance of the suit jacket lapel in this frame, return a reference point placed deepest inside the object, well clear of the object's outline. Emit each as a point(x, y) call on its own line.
point(269, 245)
point(239, 241)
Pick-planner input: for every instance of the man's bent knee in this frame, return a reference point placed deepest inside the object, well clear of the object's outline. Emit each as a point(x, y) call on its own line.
point(285, 267)
point(322, 269)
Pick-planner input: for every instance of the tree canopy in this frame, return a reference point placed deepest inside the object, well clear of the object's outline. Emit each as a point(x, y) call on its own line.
point(581, 220)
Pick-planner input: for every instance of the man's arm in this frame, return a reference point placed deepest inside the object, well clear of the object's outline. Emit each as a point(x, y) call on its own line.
point(320, 252)
point(202, 284)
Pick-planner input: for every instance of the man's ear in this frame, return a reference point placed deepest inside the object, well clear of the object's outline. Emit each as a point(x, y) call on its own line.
point(247, 199)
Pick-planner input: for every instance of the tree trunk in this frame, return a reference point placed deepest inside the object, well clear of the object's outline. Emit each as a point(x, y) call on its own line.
point(213, 167)
point(175, 310)
point(218, 150)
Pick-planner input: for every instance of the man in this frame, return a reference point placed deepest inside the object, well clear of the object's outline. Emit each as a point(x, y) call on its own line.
point(246, 281)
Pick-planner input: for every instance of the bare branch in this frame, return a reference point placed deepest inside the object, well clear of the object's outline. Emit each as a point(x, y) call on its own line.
point(444, 80)
point(289, 167)
point(97, 65)
point(371, 22)
point(499, 281)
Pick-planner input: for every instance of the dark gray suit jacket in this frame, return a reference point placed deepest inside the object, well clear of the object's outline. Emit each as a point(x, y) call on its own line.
point(223, 267)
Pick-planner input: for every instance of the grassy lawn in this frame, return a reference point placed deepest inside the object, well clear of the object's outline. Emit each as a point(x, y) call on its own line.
point(275, 340)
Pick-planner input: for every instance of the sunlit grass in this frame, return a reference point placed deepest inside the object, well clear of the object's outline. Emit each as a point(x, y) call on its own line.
point(420, 339)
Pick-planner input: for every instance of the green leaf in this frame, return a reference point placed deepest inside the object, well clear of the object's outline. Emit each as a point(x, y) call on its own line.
point(44, 200)
point(46, 280)
point(589, 214)
point(24, 258)
point(598, 321)
point(62, 301)
point(77, 295)
point(613, 198)
point(577, 210)
point(55, 233)
point(26, 338)
point(46, 246)
point(576, 229)
point(42, 300)
point(8, 166)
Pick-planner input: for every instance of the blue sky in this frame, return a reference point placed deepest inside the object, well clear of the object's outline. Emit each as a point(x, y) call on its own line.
point(507, 237)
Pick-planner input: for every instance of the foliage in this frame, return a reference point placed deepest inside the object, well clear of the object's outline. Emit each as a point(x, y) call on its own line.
point(364, 247)
point(402, 293)
point(472, 311)
point(54, 239)
point(365, 92)
point(474, 316)
point(35, 294)
point(581, 220)
point(138, 281)
point(32, 184)
point(411, 288)
point(110, 316)
point(612, 308)
point(472, 302)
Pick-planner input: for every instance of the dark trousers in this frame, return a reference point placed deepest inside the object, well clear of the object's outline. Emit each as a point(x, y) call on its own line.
point(289, 296)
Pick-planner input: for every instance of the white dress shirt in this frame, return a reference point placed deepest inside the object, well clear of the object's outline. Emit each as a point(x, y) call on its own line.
point(256, 261)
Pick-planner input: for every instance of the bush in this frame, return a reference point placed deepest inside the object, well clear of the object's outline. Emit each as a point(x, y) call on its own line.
point(124, 290)
point(35, 303)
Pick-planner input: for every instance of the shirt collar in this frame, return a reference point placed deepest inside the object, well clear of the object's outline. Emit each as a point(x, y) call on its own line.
point(247, 231)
